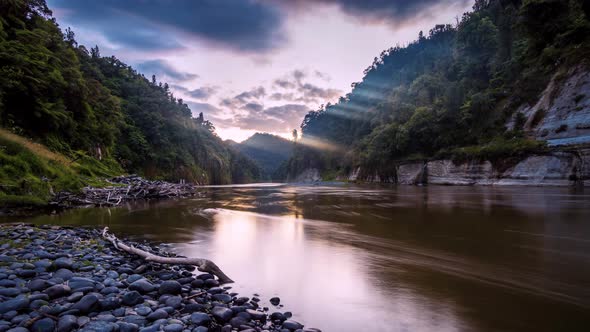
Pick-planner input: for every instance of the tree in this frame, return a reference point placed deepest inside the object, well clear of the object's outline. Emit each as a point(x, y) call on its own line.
point(295, 135)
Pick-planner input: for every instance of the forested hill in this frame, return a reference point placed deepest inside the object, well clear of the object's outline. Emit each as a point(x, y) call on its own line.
point(451, 92)
point(268, 151)
point(84, 105)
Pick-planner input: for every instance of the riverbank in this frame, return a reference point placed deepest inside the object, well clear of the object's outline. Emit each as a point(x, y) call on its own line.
point(558, 167)
point(65, 279)
point(117, 190)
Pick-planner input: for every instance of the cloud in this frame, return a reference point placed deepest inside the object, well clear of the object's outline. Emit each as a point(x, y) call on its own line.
point(394, 12)
point(272, 119)
point(253, 107)
point(251, 26)
point(206, 108)
point(203, 93)
point(296, 89)
point(244, 97)
point(162, 69)
point(311, 93)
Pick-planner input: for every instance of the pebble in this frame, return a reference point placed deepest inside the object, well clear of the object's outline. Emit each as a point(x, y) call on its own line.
point(170, 287)
point(142, 285)
point(199, 318)
point(83, 288)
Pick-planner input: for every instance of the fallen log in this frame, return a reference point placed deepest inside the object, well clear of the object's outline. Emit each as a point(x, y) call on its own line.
point(203, 265)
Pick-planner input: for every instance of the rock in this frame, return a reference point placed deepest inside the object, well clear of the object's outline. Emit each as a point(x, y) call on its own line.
point(78, 283)
point(292, 325)
point(275, 301)
point(18, 329)
point(241, 300)
point(109, 290)
point(11, 283)
point(43, 325)
point(173, 328)
point(132, 298)
point(197, 283)
point(199, 318)
point(174, 302)
point(75, 297)
point(135, 319)
point(158, 314)
point(192, 307)
point(88, 303)
point(257, 315)
point(215, 290)
point(211, 283)
point(170, 287)
point(119, 312)
point(200, 329)
point(10, 315)
point(277, 316)
point(64, 274)
point(106, 318)
point(67, 323)
point(9, 292)
point(63, 263)
point(236, 322)
point(143, 310)
point(205, 276)
point(109, 304)
point(225, 298)
point(134, 277)
point(143, 286)
point(100, 326)
point(222, 314)
point(26, 273)
point(37, 285)
point(14, 304)
point(127, 327)
point(83, 320)
point(154, 328)
point(57, 291)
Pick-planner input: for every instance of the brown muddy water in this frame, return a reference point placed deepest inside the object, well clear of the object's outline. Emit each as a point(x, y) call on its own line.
point(367, 258)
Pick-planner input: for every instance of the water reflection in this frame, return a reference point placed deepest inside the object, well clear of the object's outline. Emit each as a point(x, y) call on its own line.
point(366, 258)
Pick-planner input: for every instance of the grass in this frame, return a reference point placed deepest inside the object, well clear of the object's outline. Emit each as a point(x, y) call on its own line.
point(30, 173)
point(498, 149)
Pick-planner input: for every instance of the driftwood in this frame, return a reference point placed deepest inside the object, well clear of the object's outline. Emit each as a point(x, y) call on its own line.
point(203, 265)
point(127, 188)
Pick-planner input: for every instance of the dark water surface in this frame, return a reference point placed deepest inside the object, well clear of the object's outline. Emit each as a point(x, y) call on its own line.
point(361, 258)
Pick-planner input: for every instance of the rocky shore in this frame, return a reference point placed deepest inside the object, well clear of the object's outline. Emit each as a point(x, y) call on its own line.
point(71, 279)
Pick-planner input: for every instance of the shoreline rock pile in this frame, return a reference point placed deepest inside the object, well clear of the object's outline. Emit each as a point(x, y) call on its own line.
point(126, 188)
point(66, 279)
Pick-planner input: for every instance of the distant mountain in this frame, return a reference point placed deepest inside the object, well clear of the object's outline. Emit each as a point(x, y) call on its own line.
point(268, 151)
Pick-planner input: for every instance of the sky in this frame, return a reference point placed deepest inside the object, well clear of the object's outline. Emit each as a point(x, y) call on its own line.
point(253, 65)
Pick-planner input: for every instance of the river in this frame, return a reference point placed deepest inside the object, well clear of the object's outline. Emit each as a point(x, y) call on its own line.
point(369, 258)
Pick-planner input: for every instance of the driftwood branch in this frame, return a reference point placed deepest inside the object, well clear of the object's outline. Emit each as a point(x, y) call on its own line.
point(203, 265)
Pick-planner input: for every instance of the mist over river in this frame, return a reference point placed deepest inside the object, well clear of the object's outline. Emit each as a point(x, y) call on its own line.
point(346, 257)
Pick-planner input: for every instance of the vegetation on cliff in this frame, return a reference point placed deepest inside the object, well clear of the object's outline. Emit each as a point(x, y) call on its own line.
point(451, 91)
point(95, 109)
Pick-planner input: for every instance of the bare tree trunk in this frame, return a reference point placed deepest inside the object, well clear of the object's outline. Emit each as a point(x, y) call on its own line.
point(203, 265)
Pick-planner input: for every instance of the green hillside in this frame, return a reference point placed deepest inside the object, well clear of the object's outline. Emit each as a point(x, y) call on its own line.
point(450, 92)
point(77, 102)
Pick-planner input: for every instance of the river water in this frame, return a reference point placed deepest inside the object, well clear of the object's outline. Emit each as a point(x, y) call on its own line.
point(367, 258)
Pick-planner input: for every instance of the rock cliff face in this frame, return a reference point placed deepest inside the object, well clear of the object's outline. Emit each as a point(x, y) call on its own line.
point(559, 168)
point(308, 175)
point(449, 173)
point(561, 116)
